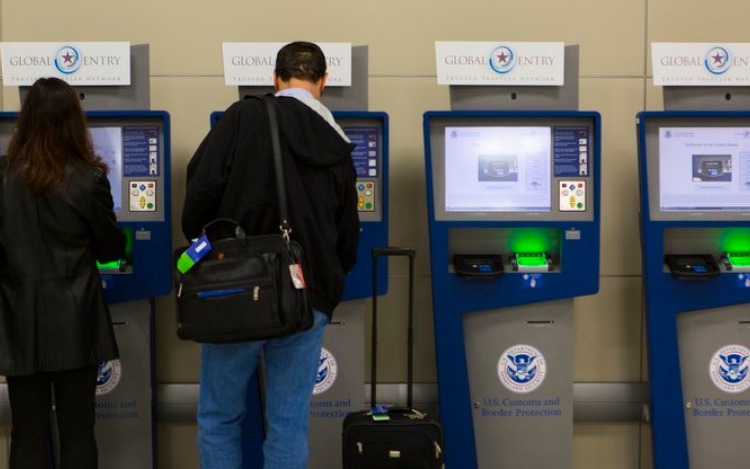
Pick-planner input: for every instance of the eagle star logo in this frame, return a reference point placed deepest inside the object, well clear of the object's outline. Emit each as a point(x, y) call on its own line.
point(521, 368)
point(327, 371)
point(108, 378)
point(729, 367)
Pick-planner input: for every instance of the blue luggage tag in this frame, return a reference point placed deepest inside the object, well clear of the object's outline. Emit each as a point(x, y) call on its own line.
point(193, 254)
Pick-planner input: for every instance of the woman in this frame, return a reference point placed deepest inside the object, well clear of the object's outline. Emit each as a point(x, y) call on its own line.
point(56, 220)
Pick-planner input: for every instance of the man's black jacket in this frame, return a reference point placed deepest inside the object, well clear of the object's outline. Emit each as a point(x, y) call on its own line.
point(231, 176)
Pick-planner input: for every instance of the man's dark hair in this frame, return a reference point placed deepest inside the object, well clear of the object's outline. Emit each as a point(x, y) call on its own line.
point(301, 60)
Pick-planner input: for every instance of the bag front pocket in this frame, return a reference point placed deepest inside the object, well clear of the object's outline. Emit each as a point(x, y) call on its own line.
point(230, 312)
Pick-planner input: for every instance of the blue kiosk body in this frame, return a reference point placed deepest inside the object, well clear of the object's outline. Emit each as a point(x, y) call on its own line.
point(136, 147)
point(695, 231)
point(368, 130)
point(513, 205)
point(339, 387)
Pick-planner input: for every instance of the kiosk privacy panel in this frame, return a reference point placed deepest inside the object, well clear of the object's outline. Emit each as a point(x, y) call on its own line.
point(513, 205)
point(695, 216)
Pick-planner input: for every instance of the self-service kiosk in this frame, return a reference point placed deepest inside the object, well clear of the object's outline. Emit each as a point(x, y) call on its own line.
point(135, 144)
point(695, 231)
point(514, 237)
point(513, 205)
point(339, 387)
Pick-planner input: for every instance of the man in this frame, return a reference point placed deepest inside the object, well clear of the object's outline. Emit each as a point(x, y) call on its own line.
point(231, 176)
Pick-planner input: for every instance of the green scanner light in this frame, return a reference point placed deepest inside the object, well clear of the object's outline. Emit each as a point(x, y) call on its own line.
point(736, 241)
point(124, 264)
point(531, 259)
point(739, 259)
point(114, 265)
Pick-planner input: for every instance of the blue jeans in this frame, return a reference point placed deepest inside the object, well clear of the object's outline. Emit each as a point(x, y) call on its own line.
point(291, 364)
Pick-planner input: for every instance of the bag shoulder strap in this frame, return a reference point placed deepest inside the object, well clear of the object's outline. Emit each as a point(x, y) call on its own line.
point(270, 101)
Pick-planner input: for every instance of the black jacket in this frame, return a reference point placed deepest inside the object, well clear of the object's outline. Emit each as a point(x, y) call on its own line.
point(231, 176)
point(53, 315)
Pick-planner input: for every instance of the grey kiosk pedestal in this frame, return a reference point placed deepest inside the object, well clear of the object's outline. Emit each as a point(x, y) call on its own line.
point(125, 395)
point(701, 333)
point(125, 416)
point(341, 376)
point(504, 442)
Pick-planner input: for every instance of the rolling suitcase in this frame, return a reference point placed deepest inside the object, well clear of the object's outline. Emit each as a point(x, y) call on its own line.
point(392, 438)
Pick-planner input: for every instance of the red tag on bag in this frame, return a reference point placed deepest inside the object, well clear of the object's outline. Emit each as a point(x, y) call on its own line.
point(298, 278)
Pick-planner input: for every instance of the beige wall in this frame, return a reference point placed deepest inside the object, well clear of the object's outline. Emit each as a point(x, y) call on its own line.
point(185, 39)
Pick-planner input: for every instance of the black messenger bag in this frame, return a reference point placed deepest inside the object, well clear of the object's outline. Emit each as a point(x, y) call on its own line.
point(242, 290)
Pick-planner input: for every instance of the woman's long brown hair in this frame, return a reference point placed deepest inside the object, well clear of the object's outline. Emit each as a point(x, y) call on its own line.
point(51, 131)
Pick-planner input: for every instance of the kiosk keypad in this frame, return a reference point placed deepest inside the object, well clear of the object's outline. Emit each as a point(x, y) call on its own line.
point(572, 196)
point(142, 196)
point(366, 195)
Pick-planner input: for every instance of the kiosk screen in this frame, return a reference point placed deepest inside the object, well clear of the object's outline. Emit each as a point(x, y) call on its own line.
point(497, 169)
point(704, 169)
point(698, 167)
point(107, 143)
point(512, 168)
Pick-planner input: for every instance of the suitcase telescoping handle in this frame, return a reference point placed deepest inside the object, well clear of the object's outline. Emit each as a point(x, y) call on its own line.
point(376, 253)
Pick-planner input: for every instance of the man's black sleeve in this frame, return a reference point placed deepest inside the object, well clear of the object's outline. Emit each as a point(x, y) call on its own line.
point(208, 173)
point(348, 235)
